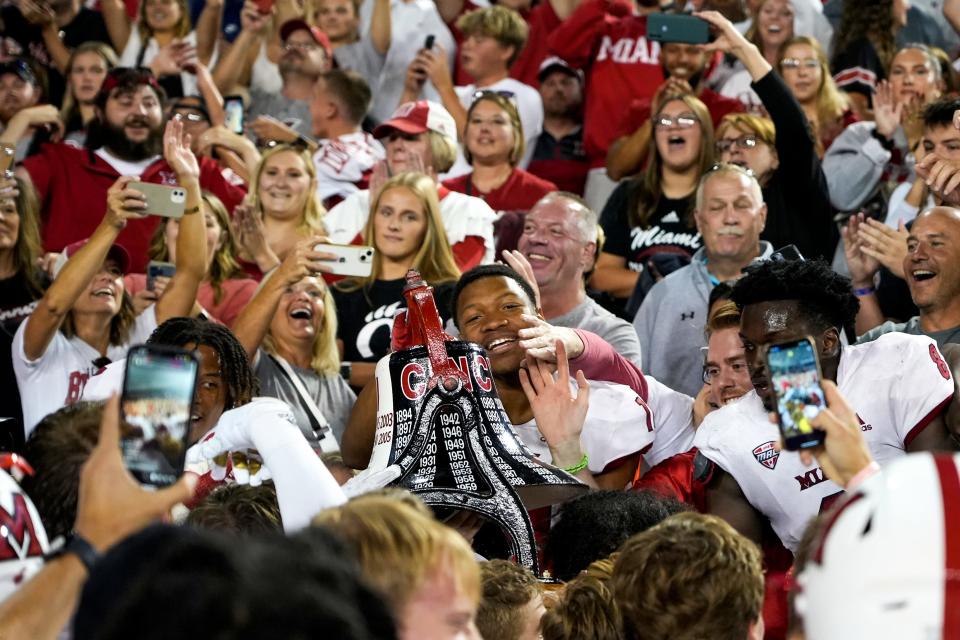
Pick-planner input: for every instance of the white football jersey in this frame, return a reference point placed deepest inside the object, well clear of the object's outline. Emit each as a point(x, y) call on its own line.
point(897, 385)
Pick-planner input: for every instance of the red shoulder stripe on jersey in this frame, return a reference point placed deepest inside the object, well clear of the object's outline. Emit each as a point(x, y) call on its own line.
point(950, 488)
point(920, 426)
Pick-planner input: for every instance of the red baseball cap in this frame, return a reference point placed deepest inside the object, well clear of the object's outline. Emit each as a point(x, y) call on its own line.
point(419, 117)
point(318, 36)
point(116, 253)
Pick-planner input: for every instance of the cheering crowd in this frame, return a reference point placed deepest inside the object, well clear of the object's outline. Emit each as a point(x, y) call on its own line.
point(624, 221)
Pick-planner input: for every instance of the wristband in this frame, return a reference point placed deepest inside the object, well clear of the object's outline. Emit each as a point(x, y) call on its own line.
point(580, 466)
point(863, 475)
point(80, 547)
point(866, 291)
point(191, 210)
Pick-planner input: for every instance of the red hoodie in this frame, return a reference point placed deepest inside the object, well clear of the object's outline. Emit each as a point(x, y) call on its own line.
point(610, 44)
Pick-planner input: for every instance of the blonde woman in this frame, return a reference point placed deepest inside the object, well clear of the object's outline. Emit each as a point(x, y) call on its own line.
point(289, 331)
point(806, 71)
point(406, 230)
point(280, 210)
point(224, 291)
point(87, 67)
point(163, 39)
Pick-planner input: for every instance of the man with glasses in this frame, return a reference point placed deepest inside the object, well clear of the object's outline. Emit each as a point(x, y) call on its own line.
point(683, 67)
point(730, 214)
point(306, 55)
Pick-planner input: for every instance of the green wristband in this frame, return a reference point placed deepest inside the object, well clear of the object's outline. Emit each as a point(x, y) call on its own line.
point(580, 466)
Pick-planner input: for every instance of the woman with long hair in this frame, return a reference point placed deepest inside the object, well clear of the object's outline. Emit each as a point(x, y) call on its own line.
point(493, 145)
point(650, 218)
point(863, 48)
point(87, 67)
point(21, 285)
point(406, 232)
point(772, 26)
point(225, 289)
point(803, 65)
point(86, 318)
point(280, 210)
point(163, 39)
point(289, 331)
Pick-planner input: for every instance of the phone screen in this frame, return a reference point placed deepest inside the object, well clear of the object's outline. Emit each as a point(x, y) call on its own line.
point(795, 377)
point(233, 110)
point(157, 397)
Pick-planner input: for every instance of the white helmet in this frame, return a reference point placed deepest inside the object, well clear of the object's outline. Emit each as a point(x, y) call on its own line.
point(887, 563)
point(23, 540)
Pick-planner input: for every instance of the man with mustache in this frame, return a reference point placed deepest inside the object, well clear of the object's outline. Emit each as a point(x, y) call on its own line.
point(124, 139)
point(730, 215)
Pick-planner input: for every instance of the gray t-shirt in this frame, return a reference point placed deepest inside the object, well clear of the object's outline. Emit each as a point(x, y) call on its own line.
point(362, 57)
point(293, 113)
point(912, 327)
point(618, 333)
point(332, 394)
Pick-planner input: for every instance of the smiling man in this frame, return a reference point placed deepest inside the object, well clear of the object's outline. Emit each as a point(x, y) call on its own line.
point(559, 241)
point(899, 386)
point(730, 215)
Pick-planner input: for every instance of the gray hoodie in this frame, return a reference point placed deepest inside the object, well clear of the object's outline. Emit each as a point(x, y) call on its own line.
point(671, 323)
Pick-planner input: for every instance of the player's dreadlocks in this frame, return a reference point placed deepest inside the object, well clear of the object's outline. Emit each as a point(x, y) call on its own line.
point(242, 385)
point(823, 296)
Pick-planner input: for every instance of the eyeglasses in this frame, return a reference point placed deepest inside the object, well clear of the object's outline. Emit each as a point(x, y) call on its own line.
point(711, 371)
point(683, 121)
point(743, 143)
point(191, 117)
point(796, 63)
point(486, 93)
point(301, 46)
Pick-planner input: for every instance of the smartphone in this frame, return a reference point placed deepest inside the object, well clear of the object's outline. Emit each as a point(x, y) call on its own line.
point(158, 389)
point(352, 259)
point(8, 153)
point(157, 269)
point(669, 27)
point(428, 43)
point(794, 371)
point(233, 110)
point(162, 200)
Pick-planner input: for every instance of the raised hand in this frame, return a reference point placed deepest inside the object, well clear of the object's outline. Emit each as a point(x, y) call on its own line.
point(539, 340)
point(942, 176)
point(728, 39)
point(844, 453)
point(248, 227)
point(303, 261)
point(252, 20)
point(519, 263)
point(887, 112)
point(559, 413)
point(269, 128)
point(885, 245)
point(177, 153)
point(124, 203)
point(863, 267)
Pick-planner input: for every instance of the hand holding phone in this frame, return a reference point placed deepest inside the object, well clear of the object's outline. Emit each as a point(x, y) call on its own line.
point(157, 269)
point(351, 259)
point(794, 372)
point(158, 390)
point(670, 27)
point(233, 111)
point(162, 200)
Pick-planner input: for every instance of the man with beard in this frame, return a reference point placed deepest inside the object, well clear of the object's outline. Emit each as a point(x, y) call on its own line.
point(306, 55)
point(45, 31)
point(124, 139)
point(730, 215)
point(899, 386)
point(683, 66)
point(559, 155)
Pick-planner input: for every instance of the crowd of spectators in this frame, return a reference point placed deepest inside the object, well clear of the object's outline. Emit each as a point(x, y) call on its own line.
point(623, 221)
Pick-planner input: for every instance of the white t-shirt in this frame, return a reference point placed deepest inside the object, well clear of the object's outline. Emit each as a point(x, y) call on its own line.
point(896, 384)
point(673, 422)
point(618, 424)
point(125, 167)
point(344, 163)
point(132, 51)
point(738, 87)
point(57, 377)
point(462, 215)
point(528, 103)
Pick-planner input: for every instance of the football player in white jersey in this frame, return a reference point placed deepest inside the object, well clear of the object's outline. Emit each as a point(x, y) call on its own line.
point(899, 386)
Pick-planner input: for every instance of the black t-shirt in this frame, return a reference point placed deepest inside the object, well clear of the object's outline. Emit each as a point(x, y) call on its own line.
point(17, 301)
point(858, 68)
point(22, 39)
point(667, 232)
point(365, 316)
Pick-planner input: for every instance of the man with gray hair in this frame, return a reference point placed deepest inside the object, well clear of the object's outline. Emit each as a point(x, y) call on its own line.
point(559, 240)
point(730, 215)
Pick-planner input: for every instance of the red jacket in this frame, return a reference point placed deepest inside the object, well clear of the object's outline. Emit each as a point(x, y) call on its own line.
point(72, 184)
point(542, 20)
point(621, 65)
